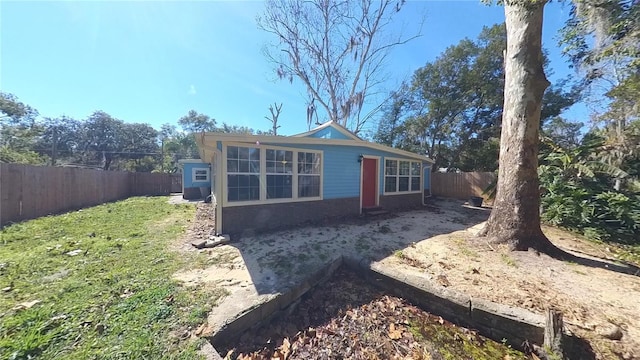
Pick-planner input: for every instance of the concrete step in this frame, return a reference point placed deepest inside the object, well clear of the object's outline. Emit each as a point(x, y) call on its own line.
point(376, 212)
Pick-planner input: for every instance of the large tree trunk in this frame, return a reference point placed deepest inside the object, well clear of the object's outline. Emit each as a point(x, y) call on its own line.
point(515, 218)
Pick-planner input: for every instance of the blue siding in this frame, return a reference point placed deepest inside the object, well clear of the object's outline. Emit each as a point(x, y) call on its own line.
point(330, 133)
point(341, 169)
point(187, 174)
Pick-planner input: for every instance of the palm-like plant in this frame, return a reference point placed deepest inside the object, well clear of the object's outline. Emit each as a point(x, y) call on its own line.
point(578, 192)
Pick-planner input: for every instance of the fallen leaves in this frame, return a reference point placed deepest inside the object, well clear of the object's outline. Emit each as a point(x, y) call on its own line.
point(394, 334)
point(347, 319)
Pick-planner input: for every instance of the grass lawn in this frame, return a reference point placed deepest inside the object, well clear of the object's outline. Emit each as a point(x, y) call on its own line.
point(102, 280)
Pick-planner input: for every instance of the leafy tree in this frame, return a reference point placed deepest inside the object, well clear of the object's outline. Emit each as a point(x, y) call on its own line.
point(106, 139)
point(18, 133)
point(60, 138)
point(602, 39)
point(195, 122)
point(14, 110)
point(393, 111)
point(139, 140)
point(563, 132)
point(234, 129)
point(452, 108)
point(336, 48)
point(101, 139)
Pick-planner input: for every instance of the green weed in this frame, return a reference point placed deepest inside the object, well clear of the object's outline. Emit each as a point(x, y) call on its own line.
point(103, 279)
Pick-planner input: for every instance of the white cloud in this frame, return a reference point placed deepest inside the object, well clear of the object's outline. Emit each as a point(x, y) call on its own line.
point(192, 90)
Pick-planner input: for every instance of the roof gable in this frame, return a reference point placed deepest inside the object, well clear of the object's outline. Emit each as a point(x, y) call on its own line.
point(330, 130)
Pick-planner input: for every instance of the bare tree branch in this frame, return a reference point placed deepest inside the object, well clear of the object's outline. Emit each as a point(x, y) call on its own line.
point(337, 48)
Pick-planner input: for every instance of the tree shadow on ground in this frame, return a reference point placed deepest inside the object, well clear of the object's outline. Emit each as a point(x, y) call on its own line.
point(596, 262)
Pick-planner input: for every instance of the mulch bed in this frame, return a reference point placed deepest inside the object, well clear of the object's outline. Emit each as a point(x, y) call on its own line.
point(346, 318)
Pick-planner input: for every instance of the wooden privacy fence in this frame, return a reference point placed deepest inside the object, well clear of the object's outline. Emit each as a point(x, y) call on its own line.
point(28, 192)
point(460, 185)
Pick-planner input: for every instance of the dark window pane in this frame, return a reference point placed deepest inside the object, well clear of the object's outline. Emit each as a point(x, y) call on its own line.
point(404, 168)
point(243, 153)
point(391, 167)
point(255, 166)
point(233, 180)
point(232, 165)
point(232, 152)
point(243, 187)
point(243, 194)
point(255, 193)
point(271, 167)
point(415, 168)
point(308, 186)
point(278, 186)
point(415, 183)
point(233, 195)
point(271, 154)
point(255, 153)
point(403, 183)
point(244, 166)
point(243, 180)
point(390, 184)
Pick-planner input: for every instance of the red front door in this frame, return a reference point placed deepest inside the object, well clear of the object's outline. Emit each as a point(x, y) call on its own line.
point(369, 182)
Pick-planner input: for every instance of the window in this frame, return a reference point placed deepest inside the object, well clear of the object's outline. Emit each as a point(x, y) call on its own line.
point(279, 174)
point(390, 175)
point(199, 175)
point(308, 174)
point(272, 174)
point(243, 173)
point(401, 176)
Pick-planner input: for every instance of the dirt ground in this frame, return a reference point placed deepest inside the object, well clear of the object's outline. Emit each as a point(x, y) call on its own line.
point(440, 244)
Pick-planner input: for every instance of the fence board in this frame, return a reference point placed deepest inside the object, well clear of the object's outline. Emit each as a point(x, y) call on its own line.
point(27, 192)
point(176, 183)
point(460, 185)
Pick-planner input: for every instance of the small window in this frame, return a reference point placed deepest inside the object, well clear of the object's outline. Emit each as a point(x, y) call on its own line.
point(199, 175)
point(401, 176)
point(279, 174)
point(243, 173)
point(308, 174)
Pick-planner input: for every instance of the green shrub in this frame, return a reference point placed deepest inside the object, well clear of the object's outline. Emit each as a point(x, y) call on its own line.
point(577, 193)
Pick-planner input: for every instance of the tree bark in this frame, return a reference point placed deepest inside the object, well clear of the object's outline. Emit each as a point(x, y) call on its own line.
point(515, 218)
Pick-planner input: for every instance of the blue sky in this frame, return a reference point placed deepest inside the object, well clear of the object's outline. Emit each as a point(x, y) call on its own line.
point(153, 61)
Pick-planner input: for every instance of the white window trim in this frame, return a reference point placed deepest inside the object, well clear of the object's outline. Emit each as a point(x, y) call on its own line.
point(384, 175)
point(263, 175)
point(196, 169)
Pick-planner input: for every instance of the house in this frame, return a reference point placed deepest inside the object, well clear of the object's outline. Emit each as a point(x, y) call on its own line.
point(196, 178)
point(265, 182)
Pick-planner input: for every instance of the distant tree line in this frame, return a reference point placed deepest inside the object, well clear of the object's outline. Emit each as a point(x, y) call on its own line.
point(100, 140)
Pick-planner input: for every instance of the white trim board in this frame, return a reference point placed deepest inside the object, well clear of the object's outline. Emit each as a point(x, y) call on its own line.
point(204, 139)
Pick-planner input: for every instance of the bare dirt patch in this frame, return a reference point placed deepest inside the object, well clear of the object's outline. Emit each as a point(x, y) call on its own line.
point(440, 245)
